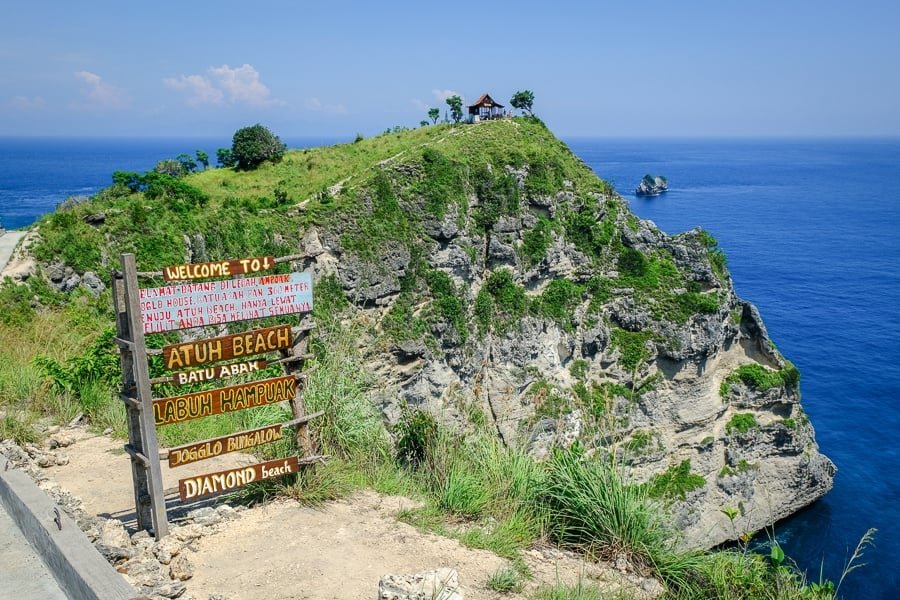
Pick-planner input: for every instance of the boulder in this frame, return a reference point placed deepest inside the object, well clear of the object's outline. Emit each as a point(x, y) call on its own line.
point(181, 568)
point(440, 584)
point(93, 283)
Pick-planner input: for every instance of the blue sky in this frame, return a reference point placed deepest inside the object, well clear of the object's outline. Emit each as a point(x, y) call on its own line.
point(640, 68)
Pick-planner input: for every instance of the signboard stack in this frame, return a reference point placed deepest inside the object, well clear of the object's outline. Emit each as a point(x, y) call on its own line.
point(186, 303)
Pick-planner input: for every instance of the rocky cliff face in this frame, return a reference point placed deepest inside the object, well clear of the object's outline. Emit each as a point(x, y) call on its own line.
point(506, 286)
point(564, 318)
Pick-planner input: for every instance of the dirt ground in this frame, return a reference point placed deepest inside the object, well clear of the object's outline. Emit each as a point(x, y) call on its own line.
point(285, 550)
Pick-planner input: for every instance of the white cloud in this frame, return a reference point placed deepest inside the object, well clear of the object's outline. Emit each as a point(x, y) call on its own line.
point(100, 93)
point(238, 85)
point(199, 88)
point(442, 95)
point(242, 84)
point(316, 105)
point(26, 103)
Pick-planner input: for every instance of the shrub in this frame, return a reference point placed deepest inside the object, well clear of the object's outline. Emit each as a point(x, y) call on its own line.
point(484, 309)
point(593, 509)
point(632, 263)
point(758, 377)
point(17, 303)
point(330, 298)
point(415, 432)
point(447, 301)
point(180, 196)
point(675, 482)
point(558, 301)
point(639, 441)
point(691, 303)
point(498, 195)
point(501, 297)
point(587, 234)
point(536, 240)
point(67, 237)
point(252, 146)
point(632, 345)
point(741, 422)
point(578, 368)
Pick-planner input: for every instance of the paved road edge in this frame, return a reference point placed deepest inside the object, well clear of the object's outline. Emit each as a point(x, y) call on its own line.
point(77, 566)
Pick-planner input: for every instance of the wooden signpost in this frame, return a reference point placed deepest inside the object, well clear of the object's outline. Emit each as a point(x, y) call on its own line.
point(186, 303)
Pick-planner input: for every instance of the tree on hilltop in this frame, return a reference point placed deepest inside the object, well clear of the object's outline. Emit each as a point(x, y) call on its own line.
point(524, 101)
point(202, 158)
point(187, 162)
point(170, 167)
point(455, 104)
point(434, 114)
point(224, 157)
point(252, 146)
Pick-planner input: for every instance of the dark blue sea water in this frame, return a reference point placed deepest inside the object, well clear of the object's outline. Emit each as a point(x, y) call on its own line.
point(812, 233)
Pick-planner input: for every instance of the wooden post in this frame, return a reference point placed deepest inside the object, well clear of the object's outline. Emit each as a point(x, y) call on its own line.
point(150, 504)
point(298, 405)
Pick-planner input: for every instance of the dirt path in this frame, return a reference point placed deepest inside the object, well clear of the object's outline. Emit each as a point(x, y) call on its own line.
point(284, 550)
point(8, 242)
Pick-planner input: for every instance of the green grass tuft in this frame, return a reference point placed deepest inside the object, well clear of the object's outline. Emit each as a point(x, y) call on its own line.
point(741, 422)
point(506, 581)
point(675, 482)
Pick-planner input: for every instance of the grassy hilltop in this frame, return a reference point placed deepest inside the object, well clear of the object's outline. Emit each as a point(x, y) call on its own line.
point(444, 245)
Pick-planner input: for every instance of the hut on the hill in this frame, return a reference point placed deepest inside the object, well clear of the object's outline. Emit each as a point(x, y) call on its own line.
point(485, 108)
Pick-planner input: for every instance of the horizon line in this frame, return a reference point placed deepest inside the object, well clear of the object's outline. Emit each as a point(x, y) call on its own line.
point(336, 136)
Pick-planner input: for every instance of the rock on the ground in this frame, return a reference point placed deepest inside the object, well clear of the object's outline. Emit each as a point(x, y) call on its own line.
point(205, 516)
point(93, 283)
point(181, 568)
point(440, 584)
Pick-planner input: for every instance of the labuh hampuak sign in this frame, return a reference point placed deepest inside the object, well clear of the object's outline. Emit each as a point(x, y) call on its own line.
point(189, 301)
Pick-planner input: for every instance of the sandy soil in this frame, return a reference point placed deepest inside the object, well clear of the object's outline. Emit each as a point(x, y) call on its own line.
point(13, 263)
point(284, 550)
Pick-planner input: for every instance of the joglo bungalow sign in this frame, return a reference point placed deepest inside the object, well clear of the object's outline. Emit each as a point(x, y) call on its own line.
point(187, 303)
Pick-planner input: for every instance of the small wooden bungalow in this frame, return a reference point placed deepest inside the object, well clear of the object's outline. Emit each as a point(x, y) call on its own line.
point(485, 108)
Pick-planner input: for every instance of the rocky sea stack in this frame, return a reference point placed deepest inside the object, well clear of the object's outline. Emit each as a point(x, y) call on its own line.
point(500, 282)
point(652, 185)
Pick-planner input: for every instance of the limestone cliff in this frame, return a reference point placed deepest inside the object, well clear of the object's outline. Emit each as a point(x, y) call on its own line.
point(506, 285)
point(577, 321)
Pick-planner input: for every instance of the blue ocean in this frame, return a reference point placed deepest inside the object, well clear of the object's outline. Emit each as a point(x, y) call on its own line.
point(812, 233)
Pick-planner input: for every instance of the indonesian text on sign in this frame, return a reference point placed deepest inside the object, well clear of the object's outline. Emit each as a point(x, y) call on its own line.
point(221, 400)
point(218, 372)
point(236, 442)
point(187, 305)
